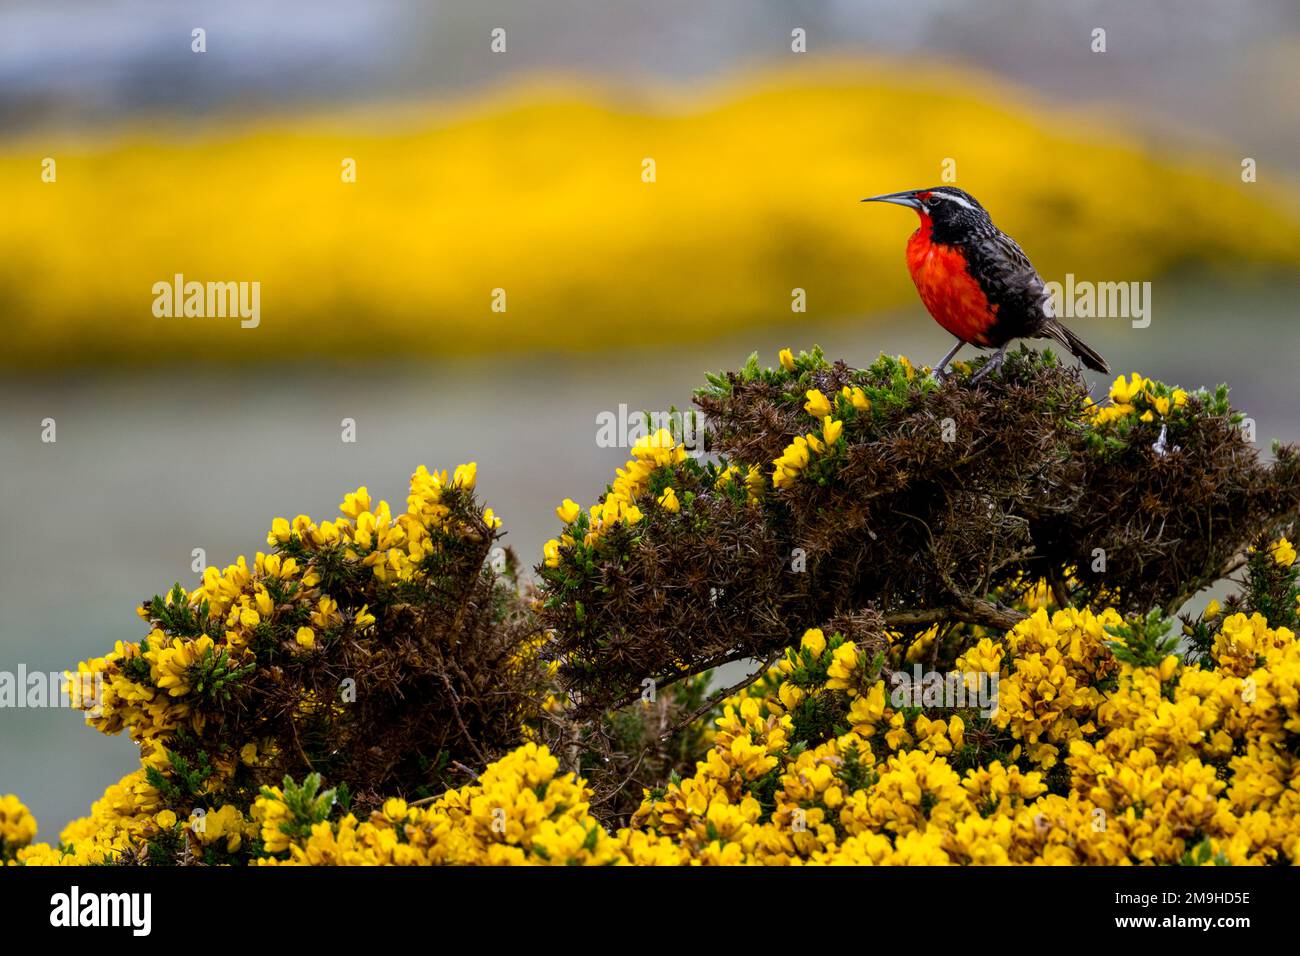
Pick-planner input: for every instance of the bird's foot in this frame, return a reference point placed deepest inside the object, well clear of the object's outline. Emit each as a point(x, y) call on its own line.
point(939, 372)
point(992, 365)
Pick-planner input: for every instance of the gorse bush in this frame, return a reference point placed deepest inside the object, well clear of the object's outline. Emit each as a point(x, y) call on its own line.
point(865, 499)
point(385, 652)
point(959, 600)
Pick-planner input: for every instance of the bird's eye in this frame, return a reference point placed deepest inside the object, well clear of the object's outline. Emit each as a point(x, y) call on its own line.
point(928, 202)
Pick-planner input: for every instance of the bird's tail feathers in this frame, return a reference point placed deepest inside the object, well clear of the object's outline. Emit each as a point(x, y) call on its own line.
point(1078, 348)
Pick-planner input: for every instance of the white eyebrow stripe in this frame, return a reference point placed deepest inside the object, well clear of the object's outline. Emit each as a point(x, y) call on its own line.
point(953, 198)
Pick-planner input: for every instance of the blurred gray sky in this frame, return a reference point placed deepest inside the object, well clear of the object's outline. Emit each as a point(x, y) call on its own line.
point(1202, 69)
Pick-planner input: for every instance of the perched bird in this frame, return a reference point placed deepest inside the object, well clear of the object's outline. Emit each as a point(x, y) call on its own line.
point(975, 280)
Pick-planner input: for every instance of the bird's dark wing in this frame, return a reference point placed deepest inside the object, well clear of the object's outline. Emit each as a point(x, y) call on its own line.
point(1011, 283)
point(1012, 251)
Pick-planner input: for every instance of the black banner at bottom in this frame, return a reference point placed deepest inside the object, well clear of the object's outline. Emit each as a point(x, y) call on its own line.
point(910, 904)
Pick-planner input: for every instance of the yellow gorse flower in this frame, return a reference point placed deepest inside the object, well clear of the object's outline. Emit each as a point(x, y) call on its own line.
point(17, 826)
point(1161, 755)
point(831, 430)
point(856, 397)
point(818, 405)
point(786, 469)
point(799, 453)
point(1141, 397)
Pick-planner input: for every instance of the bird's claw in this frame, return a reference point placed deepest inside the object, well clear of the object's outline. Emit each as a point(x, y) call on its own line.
point(992, 365)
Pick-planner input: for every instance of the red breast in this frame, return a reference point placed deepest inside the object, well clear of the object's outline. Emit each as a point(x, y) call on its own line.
point(947, 288)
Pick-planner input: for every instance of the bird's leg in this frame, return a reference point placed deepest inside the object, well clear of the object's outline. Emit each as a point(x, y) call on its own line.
point(992, 365)
point(939, 372)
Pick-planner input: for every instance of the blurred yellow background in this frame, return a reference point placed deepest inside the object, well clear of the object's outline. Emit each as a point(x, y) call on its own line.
point(539, 190)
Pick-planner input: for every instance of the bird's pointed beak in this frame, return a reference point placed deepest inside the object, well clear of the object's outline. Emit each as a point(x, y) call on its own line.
point(906, 198)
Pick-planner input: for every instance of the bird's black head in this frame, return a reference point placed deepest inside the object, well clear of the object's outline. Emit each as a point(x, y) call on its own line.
point(953, 214)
